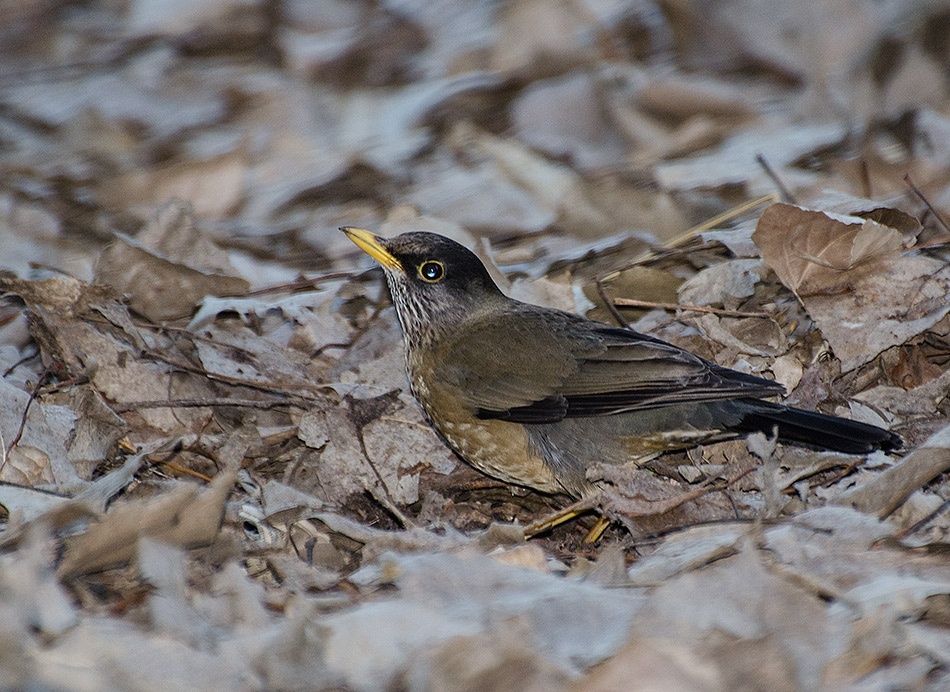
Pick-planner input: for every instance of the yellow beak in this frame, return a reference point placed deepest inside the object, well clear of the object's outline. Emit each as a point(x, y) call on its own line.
point(373, 246)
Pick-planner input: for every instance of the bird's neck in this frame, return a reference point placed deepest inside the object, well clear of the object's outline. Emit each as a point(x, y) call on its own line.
point(426, 325)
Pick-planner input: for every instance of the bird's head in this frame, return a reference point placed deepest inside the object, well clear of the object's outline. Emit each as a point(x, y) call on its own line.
point(435, 282)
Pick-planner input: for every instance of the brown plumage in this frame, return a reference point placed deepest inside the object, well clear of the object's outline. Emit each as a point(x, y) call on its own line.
point(533, 395)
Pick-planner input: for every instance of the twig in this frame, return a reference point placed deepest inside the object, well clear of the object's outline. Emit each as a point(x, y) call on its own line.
point(632, 303)
point(916, 190)
point(866, 178)
point(787, 195)
point(227, 379)
point(183, 470)
point(299, 284)
point(66, 384)
point(691, 233)
point(26, 411)
point(384, 497)
point(944, 506)
point(611, 305)
point(944, 240)
point(562, 516)
point(725, 216)
point(126, 406)
point(24, 359)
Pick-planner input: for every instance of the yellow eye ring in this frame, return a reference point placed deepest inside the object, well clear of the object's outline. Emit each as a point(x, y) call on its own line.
point(432, 271)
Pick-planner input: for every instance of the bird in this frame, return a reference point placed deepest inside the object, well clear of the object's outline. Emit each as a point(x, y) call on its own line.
point(533, 395)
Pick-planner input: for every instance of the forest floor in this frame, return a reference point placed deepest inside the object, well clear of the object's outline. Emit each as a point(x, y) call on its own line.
point(213, 475)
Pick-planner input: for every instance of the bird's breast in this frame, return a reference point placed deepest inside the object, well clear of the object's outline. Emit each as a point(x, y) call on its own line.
point(497, 448)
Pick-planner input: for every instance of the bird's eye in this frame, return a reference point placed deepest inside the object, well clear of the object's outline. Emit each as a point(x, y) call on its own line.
point(432, 271)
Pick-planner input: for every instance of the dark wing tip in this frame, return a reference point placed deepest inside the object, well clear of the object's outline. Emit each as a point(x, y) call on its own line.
point(817, 429)
point(549, 410)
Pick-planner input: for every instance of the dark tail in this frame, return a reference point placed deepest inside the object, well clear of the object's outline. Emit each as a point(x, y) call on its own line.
point(817, 429)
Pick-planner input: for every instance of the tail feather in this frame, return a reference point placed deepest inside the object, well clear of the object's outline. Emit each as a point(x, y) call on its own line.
point(817, 429)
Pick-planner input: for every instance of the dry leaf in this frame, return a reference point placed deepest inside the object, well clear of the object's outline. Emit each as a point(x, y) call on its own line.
point(541, 37)
point(214, 186)
point(564, 118)
point(647, 665)
point(169, 269)
point(83, 331)
point(885, 492)
point(42, 434)
point(23, 504)
point(815, 252)
point(187, 517)
point(479, 197)
point(734, 162)
point(722, 284)
point(849, 275)
point(98, 428)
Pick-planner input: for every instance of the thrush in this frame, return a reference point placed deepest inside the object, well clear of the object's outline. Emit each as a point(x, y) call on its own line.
point(533, 395)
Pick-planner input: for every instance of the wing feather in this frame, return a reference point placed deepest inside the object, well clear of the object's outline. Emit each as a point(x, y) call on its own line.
point(542, 367)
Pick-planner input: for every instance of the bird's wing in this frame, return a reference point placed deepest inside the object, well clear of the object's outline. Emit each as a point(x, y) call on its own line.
point(516, 362)
point(541, 367)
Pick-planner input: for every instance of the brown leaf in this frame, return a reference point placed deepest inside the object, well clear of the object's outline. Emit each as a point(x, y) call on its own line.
point(186, 517)
point(26, 465)
point(98, 428)
point(169, 268)
point(214, 185)
point(851, 278)
point(913, 368)
point(817, 253)
point(67, 324)
point(887, 491)
point(646, 664)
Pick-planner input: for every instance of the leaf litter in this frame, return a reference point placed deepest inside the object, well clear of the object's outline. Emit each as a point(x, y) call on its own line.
point(213, 475)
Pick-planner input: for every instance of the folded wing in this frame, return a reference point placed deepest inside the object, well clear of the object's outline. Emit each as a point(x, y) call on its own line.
point(596, 371)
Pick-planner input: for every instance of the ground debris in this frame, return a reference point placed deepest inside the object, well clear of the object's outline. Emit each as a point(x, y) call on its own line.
point(212, 473)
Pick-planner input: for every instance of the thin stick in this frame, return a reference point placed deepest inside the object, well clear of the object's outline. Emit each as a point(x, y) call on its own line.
point(933, 243)
point(923, 522)
point(611, 305)
point(916, 191)
point(299, 284)
point(227, 379)
point(567, 514)
point(20, 362)
point(691, 233)
point(787, 195)
point(632, 303)
point(183, 470)
point(384, 497)
point(726, 216)
point(26, 411)
point(126, 406)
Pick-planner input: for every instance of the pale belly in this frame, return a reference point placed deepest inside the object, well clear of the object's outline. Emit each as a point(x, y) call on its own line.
point(496, 448)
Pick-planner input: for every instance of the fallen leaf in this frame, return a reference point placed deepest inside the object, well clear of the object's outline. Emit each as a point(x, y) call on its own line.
point(723, 284)
point(23, 504)
point(186, 517)
point(850, 277)
point(815, 252)
point(42, 433)
point(885, 492)
point(564, 118)
point(169, 269)
point(649, 664)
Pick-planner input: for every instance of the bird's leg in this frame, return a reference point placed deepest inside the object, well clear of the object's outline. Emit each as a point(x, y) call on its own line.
point(613, 504)
point(562, 516)
point(617, 505)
